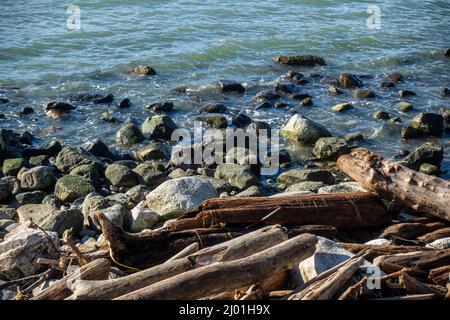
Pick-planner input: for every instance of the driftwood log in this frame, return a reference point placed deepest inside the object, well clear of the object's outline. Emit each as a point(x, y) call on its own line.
point(243, 246)
point(230, 275)
point(341, 210)
point(94, 270)
point(381, 250)
point(410, 230)
point(393, 181)
point(437, 234)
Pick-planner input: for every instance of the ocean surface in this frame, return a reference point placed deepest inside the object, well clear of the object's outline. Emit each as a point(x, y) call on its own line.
point(197, 43)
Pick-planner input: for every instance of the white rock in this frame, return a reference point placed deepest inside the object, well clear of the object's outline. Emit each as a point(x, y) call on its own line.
point(304, 130)
point(442, 244)
point(291, 193)
point(343, 187)
point(22, 247)
point(142, 218)
point(176, 196)
point(378, 242)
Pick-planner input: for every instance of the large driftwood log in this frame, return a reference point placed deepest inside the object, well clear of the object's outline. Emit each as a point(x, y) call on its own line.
point(341, 210)
point(381, 250)
point(409, 230)
point(94, 270)
point(424, 261)
point(414, 286)
point(243, 246)
point(230, 275)
point(390, 180)
point(438, 234)
point(440, 275)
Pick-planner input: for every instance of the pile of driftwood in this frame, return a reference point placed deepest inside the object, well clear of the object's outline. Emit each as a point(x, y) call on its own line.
point(245, 248)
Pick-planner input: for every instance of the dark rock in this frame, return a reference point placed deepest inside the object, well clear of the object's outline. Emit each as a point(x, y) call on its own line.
point(107, 116)
point(349, 81)
point(26, 138)
point(432, 153)
point(98, 148)
point(144, 71)
point(445, 92)
point(429, 169)
point(152, 174)
point(129, 134)
point(395, 77)
point(59, 106)
point(70, 158)
point(295, 77)
point(160, 106)
point(38, 161)
point(11, 167)
point(363, 94)
point(124, 104)
point(283, 88)
point(354, 136)
point(214, 108)
point(280, 104)
point(217, 121)
point(334, 91)
point(428, 123)
point(121, 176)
point(330, 148)
point(6, 190)
point(2, 116)
point(284, 156)
point(97, 98)
point(299, 96)
point(267, 95)
point(387, 84)
point(32, 197)
point(26, 111)
point(409, 132)
point(406, 93)
point(307, 102)
point(70, 187)
point(241, 120)
point(89, 172)
point(52, 149)
point(264, 105)
point(402, 153)
point(231, 87)
point(395, 120)
point(300, 60)
point(158, 127)
point(381, 115)
point(4, 101)
point(53, 201)
point(447, 52)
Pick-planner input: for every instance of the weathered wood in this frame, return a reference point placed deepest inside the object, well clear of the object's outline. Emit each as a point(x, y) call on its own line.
point(94, 270)
point(376, 250)
point(413, 286)
point(230, 275)
point(440, 275)
point(393, 181)
point(409, 230)
point(437, 234)
point(318, 230)
point(236, 248)
point(190, 249)
point(425, 260)
point(341, 210)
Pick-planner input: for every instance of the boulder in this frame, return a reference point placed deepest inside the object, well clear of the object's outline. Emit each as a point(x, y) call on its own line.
point(123, 199)
point(129, 134)
point(144, 71)
point(59, 106)
point(124, 104)
point(429, 152)
point(38, 161)
point(152, 174)
point(37, 178)
point(381, 115)
point(309, 186)
point(406, 93)
point(349, 81)
point(177, 196)
point(341, 107)
point(117, 214)
point(50, 218)
point(69, 188)
point(404, 106)
point(300, 60)
point(238, 176)
point(231, 87)
point(6, 190)
point(430, 169)
point(72, 157)
point(343, 187)
point(266, 95)
point(98, 148)
point(214, 108)
point(241, 120)
point(395, 77)
point(95, 202)
point(155, 150)
point(138, 193)
point(160, 106)
point(330, 148)
point(20, 250)
point(11, 167)
point(428, 123)
point(158, 127)
point(32, 197)
point(301, 175)
point(142, 218)
point(89, 172)
point(304, 130)
point(363, 94)
point(216, 121)
point(121, 176)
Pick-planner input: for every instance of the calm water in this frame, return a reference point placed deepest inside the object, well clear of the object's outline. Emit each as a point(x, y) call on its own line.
point(196, 43)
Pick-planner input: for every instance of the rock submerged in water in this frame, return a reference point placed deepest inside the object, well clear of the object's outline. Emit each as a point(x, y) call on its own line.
point(363, 94)
point(395, 77)
point(428, 123)
point(343, 106)
point(304, 130)
point(216, 121)
point(405, 106)
point(129, 134)
point(241, 120)
point(144, 71)
point(330, 148)
point(300, 60)
point(59, 106)
point(160, 106)
point(158, 127)
point(349, 81)
point(231, 87)
point(406, 93)
point(214, 108)
point(174, 197)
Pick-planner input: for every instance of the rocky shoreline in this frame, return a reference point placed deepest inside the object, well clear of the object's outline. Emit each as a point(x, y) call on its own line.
point(46, 191)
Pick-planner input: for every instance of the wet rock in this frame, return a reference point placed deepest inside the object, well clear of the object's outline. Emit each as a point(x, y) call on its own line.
point(342, 187)
point(6, 190)
point(97, 98)
point(138, 193)
point(253, 191)
point(387, 84)
point(284, 157)
point(241, 120)
point(283, 88)
point(295, 77)
point(381, 115)
point(405, 106)
point(264, 105)
point(281, 104)
point(121, 176)
point(72, 157)
point(363, 94)
point(429, 169)
point(267, 95)
point(69, 188)
point(152, 174)
point(142, 218)
point(89, 172)
point(20, 250)
point(11, 167)
point(107, 116)
point(39, 161)
point(300, 60)
point(330, 148)
point(10, 145)
point(431, 153)
point(341, 107)
point(50, 218)
point(37, 178)
point(231, 87)
point(155, 150)
point(98, 148)
point(158, 127)
point(301, 175)
point(441, 244)
point(236, 175)
point(160, 106)
point(304, 130)
point(177, 196)
point(216, 121)
point(59, 106)
point(309, 186)
point(334, 91)
point(129, 134)
point(299, 96)
point(144, 71)
point(406, 93)
point(447, 52)
point(395, 77)
point(124, 104)
point(307, 102)
point(51, 150)
point(32, 197)
point(354, 136)
point(445, 92)
point(409, 132)
point(214, 108)
point(349, 81)
point(26, 111)
point(428, 123)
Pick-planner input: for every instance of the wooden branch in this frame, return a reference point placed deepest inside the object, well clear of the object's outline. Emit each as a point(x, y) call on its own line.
point(359, 209)
point(97, 269)
point(240, 247)
point(190, 249)
point(440, 275)
point(437, 234)
point(376, 250)
point(410, 230)
point(353, 289)
point(413, 286)
point(425, 260)
point(392, 181)
point(230, 275)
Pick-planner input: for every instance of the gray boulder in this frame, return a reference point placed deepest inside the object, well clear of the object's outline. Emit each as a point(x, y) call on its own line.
point(298, 175)
point(238, 176)
point(69, 158)
point(429, 152)
point(69, 188)
point(330, 148)
point(142, 218)
point(304, 130)
point(310, 186)
point(129, 134)
point(152, 174)
point(158, 127)
point(121, 176)
point(37, 178)
point(343, 187)
point(138, 193)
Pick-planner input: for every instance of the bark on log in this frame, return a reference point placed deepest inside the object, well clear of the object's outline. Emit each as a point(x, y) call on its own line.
point(440, 275)
point(414, 286)
point(437, 234)
point(231, 275)
point(409, 230)
point(341, 210)
point(94, 270)
point(392, 181)
point(243, 246)
point(425, 260)
point(190, 249)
